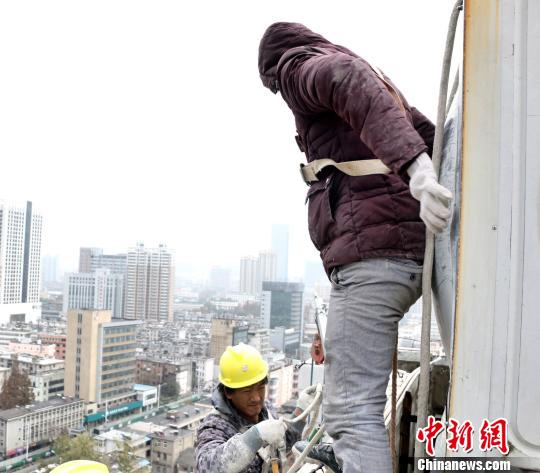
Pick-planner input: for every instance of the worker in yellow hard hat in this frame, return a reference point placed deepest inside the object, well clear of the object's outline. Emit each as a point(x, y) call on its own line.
point(230, 438)
point(81, 466)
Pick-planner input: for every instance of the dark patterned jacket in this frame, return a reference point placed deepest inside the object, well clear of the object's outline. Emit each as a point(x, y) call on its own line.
point(218, 442)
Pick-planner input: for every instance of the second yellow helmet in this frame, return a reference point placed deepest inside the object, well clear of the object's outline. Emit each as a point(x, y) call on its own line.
point(81, 466)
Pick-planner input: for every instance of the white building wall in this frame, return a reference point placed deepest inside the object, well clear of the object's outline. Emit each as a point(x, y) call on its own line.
point(281, 385)
point(34, 262)
point(248, 275)
point(150, 283)
point(99, 290)
point(267, 267)
point(183, 380)
point(12, 255)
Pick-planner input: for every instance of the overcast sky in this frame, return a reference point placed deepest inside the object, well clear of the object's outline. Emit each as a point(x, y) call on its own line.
point(128, 121)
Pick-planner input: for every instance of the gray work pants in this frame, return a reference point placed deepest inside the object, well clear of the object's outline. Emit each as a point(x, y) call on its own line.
point(367, 301)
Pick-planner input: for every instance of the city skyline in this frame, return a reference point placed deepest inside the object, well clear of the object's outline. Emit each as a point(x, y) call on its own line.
point(201, 274)
point(116, 143)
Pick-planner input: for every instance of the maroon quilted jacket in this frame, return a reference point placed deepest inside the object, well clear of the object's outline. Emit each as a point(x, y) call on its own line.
point(344, 111)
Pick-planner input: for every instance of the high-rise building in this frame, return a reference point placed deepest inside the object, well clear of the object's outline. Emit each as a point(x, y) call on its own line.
point(116, 264)
point(282, 306)
point(280, 246)
point(154, 372)
point(282, 382)
point(267, 267)
point(249, 271)
point(286, 340)
point(92, 260)
point(85, 258)
point(100, 360)
point(150, 284)
point(255, 270)
point(226, 332)
point(98, 290)
point(20, 262)
point(49, 270)
point(260, 339)
point(314, 274)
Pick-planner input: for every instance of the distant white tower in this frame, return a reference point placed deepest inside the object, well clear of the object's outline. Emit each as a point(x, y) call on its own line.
point(249, 271)
point(280, 246)
point(49, 270)
point(20, 262)
point(267, 267)
point(150, 284)
point(85, 258)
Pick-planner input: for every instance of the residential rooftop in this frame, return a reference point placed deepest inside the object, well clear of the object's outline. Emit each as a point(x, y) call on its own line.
point(9, 414)
point(143, 387)
point(22, 358)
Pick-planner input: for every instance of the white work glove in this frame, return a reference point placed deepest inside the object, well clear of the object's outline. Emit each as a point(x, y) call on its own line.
point(435, 200)
point(306, 397)
point(271, 431)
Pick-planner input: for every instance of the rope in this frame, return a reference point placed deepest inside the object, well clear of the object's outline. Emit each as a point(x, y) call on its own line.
point(314, 406)
point(423, 389)
point(316, 401)
point(393, 411)
point(302, 458)
point(313, 421)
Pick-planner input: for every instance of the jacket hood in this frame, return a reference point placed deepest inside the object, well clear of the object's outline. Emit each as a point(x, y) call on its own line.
point(277, 39)
point(222, 404)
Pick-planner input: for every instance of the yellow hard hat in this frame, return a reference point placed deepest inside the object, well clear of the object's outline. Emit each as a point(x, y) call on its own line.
point(81, 466)
point(241, 366)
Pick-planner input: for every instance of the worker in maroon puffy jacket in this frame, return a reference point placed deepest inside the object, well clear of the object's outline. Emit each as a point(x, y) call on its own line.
point(369, 228)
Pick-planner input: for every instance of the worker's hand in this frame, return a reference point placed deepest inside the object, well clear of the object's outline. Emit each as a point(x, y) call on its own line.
point(435, 200)
point(306, 397)
point(271, 431)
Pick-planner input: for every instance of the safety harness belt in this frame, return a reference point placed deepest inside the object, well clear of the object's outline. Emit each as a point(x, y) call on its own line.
point(364, 167)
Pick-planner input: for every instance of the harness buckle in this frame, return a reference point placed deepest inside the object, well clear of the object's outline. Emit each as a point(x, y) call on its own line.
point(303, 174)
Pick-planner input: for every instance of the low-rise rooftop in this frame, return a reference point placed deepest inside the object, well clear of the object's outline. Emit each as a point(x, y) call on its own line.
point(25, 358)
point(38, 406)
point(143, 387)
